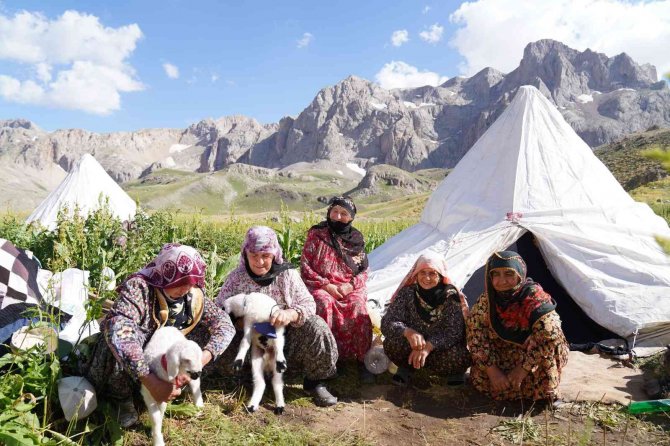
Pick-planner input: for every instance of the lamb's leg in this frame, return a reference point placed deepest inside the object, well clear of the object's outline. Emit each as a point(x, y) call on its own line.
point(245, 343)
point(259, 378)
point(278, 388)
point(156, 412)
point(280, 364)
point(194, 387)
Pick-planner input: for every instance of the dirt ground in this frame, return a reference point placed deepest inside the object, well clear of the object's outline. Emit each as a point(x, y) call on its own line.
point(435, 414)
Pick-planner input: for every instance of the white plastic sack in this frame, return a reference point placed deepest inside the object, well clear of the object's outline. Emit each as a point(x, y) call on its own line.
point(77, 397)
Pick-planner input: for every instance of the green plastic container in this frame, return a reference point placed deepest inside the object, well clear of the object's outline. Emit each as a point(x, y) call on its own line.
point(649, 406)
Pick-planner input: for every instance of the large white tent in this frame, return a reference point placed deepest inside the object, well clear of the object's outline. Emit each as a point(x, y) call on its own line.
point(531, 172)
point(84, 187)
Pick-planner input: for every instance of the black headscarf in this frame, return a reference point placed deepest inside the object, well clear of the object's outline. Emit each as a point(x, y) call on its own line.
point(347, 241)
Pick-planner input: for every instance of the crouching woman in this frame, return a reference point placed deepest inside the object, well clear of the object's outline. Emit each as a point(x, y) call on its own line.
point(309, 346)
point(514, 334)
point(424, 325)
point(169, 291)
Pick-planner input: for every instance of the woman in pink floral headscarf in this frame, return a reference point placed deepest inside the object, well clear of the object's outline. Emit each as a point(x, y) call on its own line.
point(424, 325)
point(310, 346)
point(168, 291)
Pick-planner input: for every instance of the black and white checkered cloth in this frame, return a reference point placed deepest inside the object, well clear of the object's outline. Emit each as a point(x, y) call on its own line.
point(18, 276)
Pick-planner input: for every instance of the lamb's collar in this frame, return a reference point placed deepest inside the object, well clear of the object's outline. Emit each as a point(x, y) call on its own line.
point(164, 362)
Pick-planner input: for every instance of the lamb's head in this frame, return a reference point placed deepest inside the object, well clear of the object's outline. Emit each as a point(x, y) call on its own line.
point(184, 358)
point(235, 305)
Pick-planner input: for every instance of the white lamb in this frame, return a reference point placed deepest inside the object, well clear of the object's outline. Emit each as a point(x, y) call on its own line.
point(267, 354)
point(169, 354)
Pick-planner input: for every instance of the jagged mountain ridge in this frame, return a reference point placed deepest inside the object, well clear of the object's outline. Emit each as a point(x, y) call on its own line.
point(356, 120)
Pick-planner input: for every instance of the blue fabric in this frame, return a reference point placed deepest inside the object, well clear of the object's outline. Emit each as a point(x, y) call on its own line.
point(265, 328)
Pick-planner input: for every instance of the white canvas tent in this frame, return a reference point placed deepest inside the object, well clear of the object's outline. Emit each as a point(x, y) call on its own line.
point(531, 172)
point(84, 186)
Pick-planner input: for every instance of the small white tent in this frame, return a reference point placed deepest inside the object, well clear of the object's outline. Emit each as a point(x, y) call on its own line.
point(531, 172)
point(84, 186)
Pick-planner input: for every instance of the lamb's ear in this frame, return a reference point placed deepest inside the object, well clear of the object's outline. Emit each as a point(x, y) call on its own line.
point(172, 364)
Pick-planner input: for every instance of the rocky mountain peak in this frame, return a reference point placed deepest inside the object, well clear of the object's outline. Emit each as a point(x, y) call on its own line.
point(18, 124)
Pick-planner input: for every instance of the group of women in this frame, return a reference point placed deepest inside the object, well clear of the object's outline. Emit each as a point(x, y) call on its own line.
point(511, 339)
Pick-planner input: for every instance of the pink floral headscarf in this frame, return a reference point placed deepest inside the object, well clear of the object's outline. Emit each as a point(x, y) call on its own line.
point(433, 260)
point(261, 239)
point(175, 265)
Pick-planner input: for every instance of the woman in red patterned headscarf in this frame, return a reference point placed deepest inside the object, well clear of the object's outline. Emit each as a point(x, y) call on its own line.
point(168, 291)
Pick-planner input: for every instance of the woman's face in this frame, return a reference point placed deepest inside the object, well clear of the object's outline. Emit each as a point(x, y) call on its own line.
point(338, 213)
point(504, 279)
point(428, 278)
point(177, 291)
point(260, 262)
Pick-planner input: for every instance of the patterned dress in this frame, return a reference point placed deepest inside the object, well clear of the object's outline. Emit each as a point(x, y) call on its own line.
point(310, 346)
point(118, 362)
point(348, 317)
point(543, 355)
point(447, 334)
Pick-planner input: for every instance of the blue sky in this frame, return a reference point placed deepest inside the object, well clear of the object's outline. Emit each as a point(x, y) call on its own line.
point(103, 66)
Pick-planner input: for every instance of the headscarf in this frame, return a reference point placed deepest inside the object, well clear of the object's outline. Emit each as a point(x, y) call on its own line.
point(347, 241)
point(428, 301)
point(263, 239)
point(175, 265)
point(514, 312)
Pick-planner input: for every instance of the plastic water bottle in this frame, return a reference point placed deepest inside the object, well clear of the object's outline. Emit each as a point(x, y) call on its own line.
point(649, 406)
point(376, 360)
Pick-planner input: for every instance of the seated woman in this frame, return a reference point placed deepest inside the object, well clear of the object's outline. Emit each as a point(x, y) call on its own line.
point(309, 346)
point(424, 325)
point(334, 267)
point(169, 291)
point(514, 334)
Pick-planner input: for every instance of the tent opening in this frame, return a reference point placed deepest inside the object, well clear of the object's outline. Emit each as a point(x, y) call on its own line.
point(577, 326)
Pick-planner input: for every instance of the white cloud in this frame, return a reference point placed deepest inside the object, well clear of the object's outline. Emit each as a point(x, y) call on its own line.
point(77, 63)
point(398, 74)
point(493, 33)
point(433, 34)
point(399, 37)
point(305, 40)
point(425, 9)
point(172, 71)
point(214, 78)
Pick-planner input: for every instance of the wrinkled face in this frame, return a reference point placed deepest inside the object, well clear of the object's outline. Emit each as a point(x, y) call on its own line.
point(428, 278)
point(338, 213)
point(260, 262)
point(177, 291)
point(504, 279)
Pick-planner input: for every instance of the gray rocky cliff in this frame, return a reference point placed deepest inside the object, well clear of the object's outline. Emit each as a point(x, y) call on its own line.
point(603, 98)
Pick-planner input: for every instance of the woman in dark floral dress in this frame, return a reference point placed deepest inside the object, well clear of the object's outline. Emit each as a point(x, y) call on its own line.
point(169, 291)
point(514, 334)
point(310, 346)
point(424, 325)
point(334, 267)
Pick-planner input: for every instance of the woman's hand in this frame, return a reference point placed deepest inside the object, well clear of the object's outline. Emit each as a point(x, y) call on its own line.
point(345, 289)
point(415, 339)
point(206, 357)
point(516, 376)
point(499, 381)
point(417, 358)
point(161, 391)
point(333, 290)
point(282, 318)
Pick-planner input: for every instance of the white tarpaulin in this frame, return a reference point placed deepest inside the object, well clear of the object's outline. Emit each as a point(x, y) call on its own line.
point(84, 187)
point(531, 172)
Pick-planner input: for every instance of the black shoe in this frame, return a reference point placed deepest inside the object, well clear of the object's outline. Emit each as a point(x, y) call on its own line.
point(364, 375)
point(401, 377)
point(127, 414)
point(456, 379)
point(320, 395)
